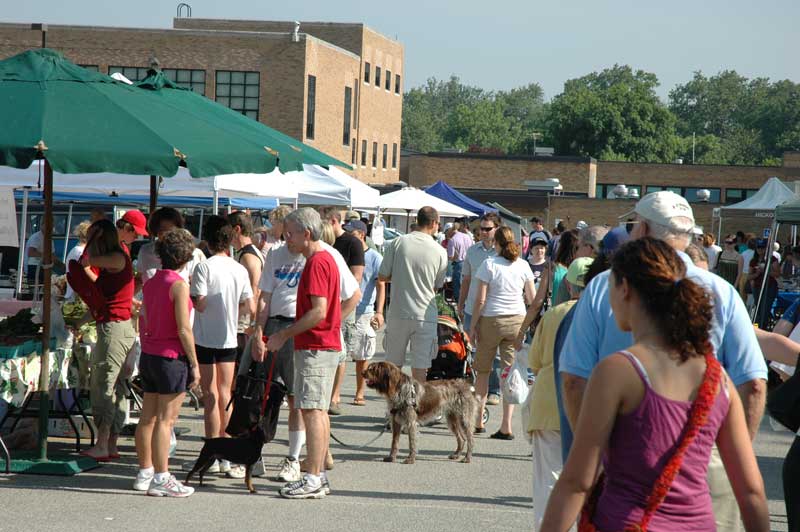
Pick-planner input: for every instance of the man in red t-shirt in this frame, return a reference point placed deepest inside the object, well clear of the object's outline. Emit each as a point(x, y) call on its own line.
point(317, 343)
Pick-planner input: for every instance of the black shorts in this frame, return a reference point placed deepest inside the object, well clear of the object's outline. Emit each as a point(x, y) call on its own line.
point(163, 375)
point(215, 355)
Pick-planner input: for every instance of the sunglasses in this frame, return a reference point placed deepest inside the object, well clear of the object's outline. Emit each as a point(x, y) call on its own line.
point(730, 242)
point(487, 229)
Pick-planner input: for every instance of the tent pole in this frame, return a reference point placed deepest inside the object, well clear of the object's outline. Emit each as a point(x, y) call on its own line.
point(215, 203)
point(66, 234)
point(153, 194)
point(775, 227)
point(23, 230)
point(200, 230)
point(47, 265)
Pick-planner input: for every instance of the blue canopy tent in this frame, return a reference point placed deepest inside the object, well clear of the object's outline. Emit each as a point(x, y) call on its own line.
point(445, 192)
point(254, 202)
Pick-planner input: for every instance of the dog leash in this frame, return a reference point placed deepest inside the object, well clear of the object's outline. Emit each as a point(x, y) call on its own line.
point(370, 442)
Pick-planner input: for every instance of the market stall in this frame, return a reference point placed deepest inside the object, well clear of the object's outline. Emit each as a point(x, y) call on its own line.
point(759, 206)
point(445, 192)
point(407, 201)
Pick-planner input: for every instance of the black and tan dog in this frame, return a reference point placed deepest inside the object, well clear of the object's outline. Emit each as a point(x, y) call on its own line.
point(411, 401)
point(244, 450)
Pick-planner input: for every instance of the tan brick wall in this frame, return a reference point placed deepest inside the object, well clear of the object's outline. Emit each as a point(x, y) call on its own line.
point(791, 159)
point(473, 171)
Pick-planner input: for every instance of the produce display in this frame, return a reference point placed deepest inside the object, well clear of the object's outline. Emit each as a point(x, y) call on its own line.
point(18, 328)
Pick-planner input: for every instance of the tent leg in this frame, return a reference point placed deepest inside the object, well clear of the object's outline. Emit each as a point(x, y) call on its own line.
point(47, 264)
point(23, 230)
point(773, 235)
point(153, 194)
point(215, 204)
point(66, 234)
point(200, 230)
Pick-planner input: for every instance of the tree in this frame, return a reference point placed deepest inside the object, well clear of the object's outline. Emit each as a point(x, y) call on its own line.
point(483, 125)
point(616, 113)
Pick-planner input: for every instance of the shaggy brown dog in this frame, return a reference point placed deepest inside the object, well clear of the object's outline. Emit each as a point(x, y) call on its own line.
point(410, 401)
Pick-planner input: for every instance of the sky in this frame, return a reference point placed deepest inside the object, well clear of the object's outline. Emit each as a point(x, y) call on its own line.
point(503, 44)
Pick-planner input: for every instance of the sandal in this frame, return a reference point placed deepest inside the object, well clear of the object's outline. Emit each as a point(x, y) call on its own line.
point(480, 430)
point(359, 401)
point(502, 436)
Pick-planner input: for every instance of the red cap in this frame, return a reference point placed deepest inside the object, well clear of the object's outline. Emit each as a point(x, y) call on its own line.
point(137, 220)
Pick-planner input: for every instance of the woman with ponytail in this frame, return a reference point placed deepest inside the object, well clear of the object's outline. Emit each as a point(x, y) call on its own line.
point(652, 413)
point(505, 286)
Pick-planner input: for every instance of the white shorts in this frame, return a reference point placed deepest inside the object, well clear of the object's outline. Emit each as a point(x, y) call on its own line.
point(414, 337)
point(361, 338)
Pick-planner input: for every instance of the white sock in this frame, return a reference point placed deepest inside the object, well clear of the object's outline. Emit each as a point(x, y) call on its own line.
point(297, 438)
point(161, 478)
point(313, 480)
point(147, 471)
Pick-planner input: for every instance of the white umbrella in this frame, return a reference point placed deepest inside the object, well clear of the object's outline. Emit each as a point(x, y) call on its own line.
point(409, 200)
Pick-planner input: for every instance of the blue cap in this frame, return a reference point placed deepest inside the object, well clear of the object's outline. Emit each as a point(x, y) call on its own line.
point(614, 239)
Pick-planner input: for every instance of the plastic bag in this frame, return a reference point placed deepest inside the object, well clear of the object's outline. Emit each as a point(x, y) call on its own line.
point(514, 379)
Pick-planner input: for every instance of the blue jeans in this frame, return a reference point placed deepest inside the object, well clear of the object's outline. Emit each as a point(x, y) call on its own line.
point(455, 273)
point(494, 376)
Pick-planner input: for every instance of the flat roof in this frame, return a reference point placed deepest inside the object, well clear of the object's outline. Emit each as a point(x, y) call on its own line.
point(536, 158)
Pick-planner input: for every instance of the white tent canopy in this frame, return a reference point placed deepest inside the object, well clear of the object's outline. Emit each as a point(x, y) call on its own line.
point(407, 201)
point(359, 195)
point(272, 185)
point(770, 195)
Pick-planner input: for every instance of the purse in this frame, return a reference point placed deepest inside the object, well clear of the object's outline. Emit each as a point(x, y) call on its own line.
point(698, 417)
point(783, 403)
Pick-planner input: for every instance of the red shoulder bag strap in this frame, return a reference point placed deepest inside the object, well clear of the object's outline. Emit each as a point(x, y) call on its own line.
point(698, 417)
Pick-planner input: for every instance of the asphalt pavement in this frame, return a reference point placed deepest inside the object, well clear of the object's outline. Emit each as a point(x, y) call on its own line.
point(435, 494)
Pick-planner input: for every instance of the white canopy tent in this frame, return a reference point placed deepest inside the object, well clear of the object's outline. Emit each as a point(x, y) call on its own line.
point(761, 204)
point(409, 200)
point(360, 195)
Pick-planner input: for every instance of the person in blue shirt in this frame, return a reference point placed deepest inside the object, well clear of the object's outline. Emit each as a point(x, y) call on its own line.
point(593, 335)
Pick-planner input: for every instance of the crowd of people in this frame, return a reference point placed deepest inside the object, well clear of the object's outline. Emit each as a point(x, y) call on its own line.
point(647, 366)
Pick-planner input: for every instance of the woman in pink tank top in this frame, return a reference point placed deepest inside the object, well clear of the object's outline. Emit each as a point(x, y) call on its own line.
point(652, 413)
point(167, 365)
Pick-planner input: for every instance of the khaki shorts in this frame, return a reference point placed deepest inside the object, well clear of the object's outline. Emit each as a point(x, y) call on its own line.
point(314, 372)
point(415, 337)
point(361, 339)
point(496, 335)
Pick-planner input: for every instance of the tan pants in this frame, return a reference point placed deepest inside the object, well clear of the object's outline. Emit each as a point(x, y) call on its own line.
point(726, 511)
point(114, 340)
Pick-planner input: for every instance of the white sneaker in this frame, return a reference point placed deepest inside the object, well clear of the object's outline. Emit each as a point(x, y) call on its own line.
point(188, 466)
point(171, 488)
point(224, 467)
point(142, 482)
point(258, 469)
point(326, 485)
point(302, 489)
point(290, 470)
point(235, 471)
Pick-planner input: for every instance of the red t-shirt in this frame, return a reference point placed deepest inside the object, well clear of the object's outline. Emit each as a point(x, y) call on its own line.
point(320, 278)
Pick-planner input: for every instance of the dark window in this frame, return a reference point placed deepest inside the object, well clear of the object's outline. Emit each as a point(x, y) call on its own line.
point(93, 68)
point(377, 76)
point(385, 155)
point(238, 90)
point(394, 155)
point(735, 195)
point(363, 153)
point(355, 113)
point(132, 73)
point(388, 80)
point(311, 106)
point(397, 83)
point(690, 193)
point(353, 155)
point(348, 114)
point(194, 80)
point(374, 154)
point(602, 191)
point(366, 72)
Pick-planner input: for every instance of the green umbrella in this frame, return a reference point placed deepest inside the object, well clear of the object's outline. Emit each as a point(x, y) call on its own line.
point(83, 122)
point(291, 153)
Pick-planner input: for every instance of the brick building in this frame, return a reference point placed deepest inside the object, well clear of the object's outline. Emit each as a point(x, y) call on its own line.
point(587, 183)
point(336, 87)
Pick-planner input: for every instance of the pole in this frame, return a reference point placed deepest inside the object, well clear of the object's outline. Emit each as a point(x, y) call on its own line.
point(47, 266)
point(23, 230)
point(66, 235)
point(215, 203)
point(153, 193)
point(200, 230)
point(692, 147)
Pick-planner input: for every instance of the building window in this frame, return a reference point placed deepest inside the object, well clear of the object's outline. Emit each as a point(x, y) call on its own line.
point(194, 80)
point(735, 195)
point(397, 83)
point(363, 153)
point(366, 72)
point(355, 107)
point(388, 81)
point(348, 114)
point(311, 106)
point(239, 91)
point(132, 73)
point(93, 68)
point(353, 155)
point(690, 193)
point(602, 190)
point(394, 155)
point(385, 155)
point(378, 76)
point(374, 154)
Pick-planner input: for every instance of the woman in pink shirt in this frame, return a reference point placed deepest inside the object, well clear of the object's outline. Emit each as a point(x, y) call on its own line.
point(168, 363)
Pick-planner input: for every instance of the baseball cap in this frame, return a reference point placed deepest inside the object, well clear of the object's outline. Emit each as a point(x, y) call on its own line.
point(761, 243)
point(448, 226)
point(352, 215)
point(355, 225)
point(538, 241)
point(577, 271)
point(137, 220)
point(665, 208)
point(614, 239)
point(581, 225)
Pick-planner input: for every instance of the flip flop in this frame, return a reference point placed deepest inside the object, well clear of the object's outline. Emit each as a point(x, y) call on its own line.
point(100, 459)
point(501, 436)
point(359, 402)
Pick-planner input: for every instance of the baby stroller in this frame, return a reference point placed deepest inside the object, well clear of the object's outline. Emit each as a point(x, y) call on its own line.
point(454, 354)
